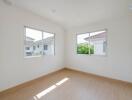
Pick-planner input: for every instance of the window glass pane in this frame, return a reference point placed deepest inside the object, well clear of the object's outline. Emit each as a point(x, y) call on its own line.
point(83, 45)
point(48, 43)
point(45, 47)
point(33, 41)
point(98, 42)
point(27, 48)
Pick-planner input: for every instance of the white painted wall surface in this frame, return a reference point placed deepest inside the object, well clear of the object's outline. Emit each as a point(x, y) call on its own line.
point(118, 62)
point(14, 68)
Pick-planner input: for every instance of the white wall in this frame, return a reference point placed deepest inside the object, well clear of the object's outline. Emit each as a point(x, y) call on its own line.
point(14, 68)
point(118, 62)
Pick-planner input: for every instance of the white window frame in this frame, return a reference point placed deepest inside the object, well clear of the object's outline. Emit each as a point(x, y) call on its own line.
point(106, 53)
point(42, 42)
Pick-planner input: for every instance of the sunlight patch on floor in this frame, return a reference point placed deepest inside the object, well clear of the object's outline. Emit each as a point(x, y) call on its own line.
point(46, 91)
point(62, 81)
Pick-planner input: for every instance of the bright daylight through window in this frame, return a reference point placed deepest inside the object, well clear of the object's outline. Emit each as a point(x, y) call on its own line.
point(38, 42)
point(92, 43)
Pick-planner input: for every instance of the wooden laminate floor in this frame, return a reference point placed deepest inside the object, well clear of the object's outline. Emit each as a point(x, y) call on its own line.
point(72, 85)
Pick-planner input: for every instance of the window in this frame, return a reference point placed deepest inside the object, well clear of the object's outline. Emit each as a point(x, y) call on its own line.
point(92, 43)
point(48, 42)
point(45, 47)
point(27, 48)
point(38, 46)
point(34, 47)
point(35, 40)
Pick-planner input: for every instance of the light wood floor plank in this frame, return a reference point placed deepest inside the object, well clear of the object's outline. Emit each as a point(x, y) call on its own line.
point(72, 85)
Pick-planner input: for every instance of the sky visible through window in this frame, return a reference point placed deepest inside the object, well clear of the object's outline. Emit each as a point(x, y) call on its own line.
point(36, 34)
point(46, 35)
point(81, 37)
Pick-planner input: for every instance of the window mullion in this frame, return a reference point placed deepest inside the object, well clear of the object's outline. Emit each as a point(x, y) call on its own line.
point(89, 45)
point(42, 43)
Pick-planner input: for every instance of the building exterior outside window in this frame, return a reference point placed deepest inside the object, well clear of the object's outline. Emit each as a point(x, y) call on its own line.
point(38, 44)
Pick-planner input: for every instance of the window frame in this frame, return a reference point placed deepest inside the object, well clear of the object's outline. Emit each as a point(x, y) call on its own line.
point(41, 55)
point(106, 53)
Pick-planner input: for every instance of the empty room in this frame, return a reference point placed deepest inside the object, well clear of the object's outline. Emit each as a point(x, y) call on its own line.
point(65, 49)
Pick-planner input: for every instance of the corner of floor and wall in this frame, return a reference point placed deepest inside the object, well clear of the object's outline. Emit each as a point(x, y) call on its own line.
point(15, 69)
point(117, 64)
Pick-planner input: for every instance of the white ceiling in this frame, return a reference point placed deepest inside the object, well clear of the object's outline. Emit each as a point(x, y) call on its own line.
point(72, 13)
